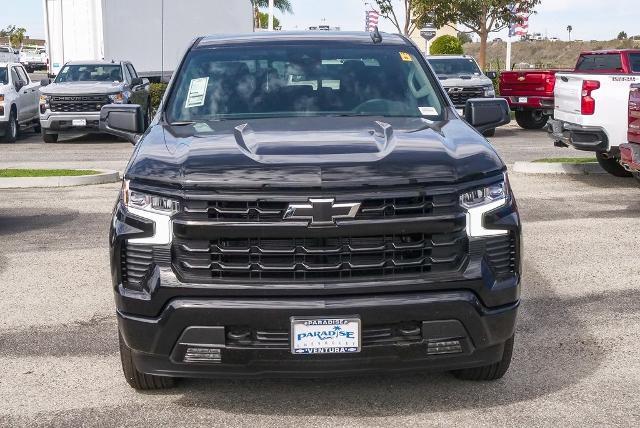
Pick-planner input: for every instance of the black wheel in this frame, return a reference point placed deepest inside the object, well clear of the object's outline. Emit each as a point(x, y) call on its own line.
point(612, 165)
point(147, 116)
point(11, 134)
point(37, 129)
point(636, 175)
point(491, 372)
point(136, 379)
point(490, 133)
point(531, 119)
point(49, 138)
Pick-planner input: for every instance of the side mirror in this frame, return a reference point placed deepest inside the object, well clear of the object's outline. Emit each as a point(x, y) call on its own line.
point(123, 120)
point(19, 85)
point(485, 114)
point(493, 75)
point(45, 82)
point(136, 81)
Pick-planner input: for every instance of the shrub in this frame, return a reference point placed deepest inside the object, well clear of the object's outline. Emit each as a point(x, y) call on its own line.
point(446, 45)
point(157, 91)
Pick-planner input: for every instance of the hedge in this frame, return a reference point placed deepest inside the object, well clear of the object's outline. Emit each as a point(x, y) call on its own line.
point(446, 45)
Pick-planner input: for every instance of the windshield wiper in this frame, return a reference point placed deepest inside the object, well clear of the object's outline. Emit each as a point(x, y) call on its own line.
point(183, 123)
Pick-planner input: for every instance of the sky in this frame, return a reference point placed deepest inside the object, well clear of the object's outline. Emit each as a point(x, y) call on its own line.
point(590, 19)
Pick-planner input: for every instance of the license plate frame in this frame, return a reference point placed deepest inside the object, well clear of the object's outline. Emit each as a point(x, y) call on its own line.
point(323, 325)
point(79, 122)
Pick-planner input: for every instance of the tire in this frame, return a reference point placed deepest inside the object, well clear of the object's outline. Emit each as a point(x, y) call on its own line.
point(531, 119)
point(490, 372)
point(37, 128)
point(136, 379)
point(612, 166)
point(11, 134)
point(636, 175)
point(147, 116)
point(49, 138)
point(490, 133)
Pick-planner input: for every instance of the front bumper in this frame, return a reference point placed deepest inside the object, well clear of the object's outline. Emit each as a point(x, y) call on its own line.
point(159, 344)
point(57, 123)
point(630, 156)
point(587, 138)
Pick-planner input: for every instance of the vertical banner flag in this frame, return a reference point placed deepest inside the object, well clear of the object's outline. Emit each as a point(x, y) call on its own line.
point(372, 18)
point(520, 25)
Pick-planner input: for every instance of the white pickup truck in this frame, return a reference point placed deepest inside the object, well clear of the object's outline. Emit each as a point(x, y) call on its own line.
point(19, 102)
point(591, 105)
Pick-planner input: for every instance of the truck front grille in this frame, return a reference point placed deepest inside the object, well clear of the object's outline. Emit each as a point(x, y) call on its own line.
point(304, 259)
point(459, 96)
point(78, 104)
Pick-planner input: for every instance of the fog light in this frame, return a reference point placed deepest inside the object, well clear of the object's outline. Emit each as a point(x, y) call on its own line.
point(203, 355)
point(441, 347)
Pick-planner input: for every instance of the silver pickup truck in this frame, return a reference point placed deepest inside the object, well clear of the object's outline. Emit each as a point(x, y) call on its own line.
point(72, 102)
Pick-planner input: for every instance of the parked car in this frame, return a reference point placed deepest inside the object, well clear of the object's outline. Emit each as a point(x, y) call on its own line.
point(630, 152)
point(18, 102)
point(7, 55)
point(530, 95)
point(265, 228)
point(32, 59)
point(463, 80)
point(72, 103)
point(591, 105)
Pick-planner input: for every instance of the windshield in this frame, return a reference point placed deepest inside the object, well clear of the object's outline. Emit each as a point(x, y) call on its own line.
point(4, 76)
point(455, 66)
point(90, 73)
point(302, 80)
point(634, 59)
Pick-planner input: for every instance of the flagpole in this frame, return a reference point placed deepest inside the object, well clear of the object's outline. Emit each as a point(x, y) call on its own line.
point(508, 60)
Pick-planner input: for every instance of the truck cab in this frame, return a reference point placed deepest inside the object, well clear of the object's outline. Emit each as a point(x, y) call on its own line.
point(309, 204)
point(71, 103)
point(591, 105)
point(18, 101)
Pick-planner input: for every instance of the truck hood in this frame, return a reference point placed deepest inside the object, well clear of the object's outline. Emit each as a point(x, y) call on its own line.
point(313, 152)
point(468, 80)
point(75, 88)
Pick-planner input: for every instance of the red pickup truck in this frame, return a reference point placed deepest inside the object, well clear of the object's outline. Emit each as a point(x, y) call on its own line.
point(630, 152)
point(530, 93)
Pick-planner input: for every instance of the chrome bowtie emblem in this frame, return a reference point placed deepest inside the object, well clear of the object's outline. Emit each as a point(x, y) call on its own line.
point(456, 89)
point(321, 212)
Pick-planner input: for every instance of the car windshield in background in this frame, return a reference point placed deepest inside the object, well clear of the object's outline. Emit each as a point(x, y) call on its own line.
point(599, 63)
point(634, 59)
point(303, 80)
point(455, 67)
point(90, 73)
point(4, 76)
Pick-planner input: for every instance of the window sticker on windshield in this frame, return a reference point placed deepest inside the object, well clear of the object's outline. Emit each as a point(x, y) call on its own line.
point(405, 56)
point(428, 111)
point(197, 92)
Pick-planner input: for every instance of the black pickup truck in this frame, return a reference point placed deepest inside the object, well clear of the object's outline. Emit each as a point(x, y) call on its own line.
point(309, 204)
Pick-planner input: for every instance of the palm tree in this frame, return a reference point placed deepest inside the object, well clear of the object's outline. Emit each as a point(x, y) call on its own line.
point(281, 5)
point(569, 29)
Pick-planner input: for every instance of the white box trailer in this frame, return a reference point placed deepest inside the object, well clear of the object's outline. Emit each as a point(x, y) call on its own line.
point(153, 34)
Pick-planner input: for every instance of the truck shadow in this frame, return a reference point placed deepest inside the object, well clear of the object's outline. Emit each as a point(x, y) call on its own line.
point(554, 350)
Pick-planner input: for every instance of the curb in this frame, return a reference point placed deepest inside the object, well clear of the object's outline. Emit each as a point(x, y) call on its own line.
point(105, 176)
point(558, 168)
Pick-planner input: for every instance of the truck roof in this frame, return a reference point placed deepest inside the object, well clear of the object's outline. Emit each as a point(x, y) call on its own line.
point(357, 37)
point(449, 57)
point(610, 52)
point(94, 62)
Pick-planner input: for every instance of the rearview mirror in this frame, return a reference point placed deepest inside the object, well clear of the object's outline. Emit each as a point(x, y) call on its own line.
point(485, 114)
point(123, 120)
point(493, 75)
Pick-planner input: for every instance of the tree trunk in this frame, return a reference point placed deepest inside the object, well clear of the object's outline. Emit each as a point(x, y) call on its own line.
point(482, 57)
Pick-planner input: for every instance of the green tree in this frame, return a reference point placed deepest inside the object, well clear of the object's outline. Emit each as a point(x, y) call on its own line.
point(622, 35)
point(415, 16)
point(264, 21)
point(481, 17)
point(282, 5)
point(569, 30)
point(464, 38)
point(15, 34)
point(446, 45)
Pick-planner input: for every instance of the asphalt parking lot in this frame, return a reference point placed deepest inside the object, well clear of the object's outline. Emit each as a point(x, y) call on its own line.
point(575, 361)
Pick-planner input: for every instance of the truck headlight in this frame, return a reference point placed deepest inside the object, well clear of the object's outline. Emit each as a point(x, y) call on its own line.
point(118, 98)
point(44, 103)
point(489, 91)
point(146, 202)
point(480, 201)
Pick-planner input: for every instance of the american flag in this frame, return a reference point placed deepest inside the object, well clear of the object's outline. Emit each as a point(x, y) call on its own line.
point(520, 25)
point(372, 17)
